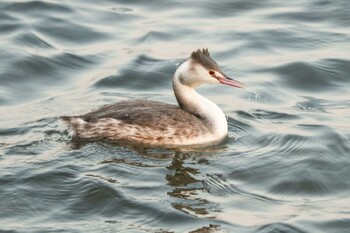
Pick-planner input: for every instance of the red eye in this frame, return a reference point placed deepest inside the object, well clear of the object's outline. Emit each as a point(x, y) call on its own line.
point(211, 72)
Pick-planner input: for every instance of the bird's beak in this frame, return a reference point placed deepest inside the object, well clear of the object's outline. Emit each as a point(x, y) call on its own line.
point(229, 81)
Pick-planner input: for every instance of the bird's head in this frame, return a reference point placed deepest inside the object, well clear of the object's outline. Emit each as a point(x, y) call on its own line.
point(200, 68)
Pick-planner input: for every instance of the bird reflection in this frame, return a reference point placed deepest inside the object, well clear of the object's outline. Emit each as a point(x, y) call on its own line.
point(187, 183)
point(186, 188)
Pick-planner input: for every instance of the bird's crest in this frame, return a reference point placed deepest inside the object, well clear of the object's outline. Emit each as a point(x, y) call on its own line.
point(202, 56)
point(200, 53)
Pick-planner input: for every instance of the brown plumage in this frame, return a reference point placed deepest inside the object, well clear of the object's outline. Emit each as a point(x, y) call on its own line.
point(155, 123)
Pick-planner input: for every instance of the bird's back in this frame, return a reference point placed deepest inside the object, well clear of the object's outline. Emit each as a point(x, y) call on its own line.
point(141, 122)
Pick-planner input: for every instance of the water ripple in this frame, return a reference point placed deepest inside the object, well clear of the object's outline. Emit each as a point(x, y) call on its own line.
point(142, 68)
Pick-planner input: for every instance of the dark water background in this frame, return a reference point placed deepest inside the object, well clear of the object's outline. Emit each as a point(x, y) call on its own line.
point(285, 166)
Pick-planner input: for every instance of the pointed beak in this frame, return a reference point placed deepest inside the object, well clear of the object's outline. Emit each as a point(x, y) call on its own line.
point(229, 81)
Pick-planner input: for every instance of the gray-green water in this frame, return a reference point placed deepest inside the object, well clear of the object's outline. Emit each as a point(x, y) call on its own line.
point(283, 168)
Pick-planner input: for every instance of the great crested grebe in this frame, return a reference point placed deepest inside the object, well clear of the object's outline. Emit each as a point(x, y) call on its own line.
point(197, 121)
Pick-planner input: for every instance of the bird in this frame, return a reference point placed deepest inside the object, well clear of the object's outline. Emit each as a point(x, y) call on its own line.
point(195, 122)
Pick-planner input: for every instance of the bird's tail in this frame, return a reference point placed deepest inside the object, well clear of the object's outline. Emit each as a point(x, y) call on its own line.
point(75, 124)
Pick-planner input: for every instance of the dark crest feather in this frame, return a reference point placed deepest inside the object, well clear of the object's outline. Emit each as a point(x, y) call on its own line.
point(199, 53)
point(202, 56)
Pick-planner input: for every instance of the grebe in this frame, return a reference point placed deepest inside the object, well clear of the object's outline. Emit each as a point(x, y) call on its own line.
point(197, 121)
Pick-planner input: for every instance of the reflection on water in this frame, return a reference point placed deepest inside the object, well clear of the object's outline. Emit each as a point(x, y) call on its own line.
point(185, 187)
point(284, 166)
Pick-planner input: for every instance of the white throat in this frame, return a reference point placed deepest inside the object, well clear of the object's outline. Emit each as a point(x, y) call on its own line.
point(189, 100)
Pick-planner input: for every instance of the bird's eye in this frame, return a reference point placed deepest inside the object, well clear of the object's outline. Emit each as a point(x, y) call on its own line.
point(211, 72)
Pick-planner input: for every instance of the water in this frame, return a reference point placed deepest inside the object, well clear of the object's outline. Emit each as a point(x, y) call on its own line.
point(283, 168)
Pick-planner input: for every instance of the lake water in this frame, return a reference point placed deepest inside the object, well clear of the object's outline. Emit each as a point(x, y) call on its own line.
point(284, 167)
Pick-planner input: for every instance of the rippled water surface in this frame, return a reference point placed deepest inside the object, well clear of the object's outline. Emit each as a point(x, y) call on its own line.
point(284, 166)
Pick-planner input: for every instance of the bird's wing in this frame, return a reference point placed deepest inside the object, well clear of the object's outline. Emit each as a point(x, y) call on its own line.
point(145, 113)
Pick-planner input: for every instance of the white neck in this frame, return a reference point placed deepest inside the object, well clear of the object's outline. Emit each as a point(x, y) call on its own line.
point(199, 106)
